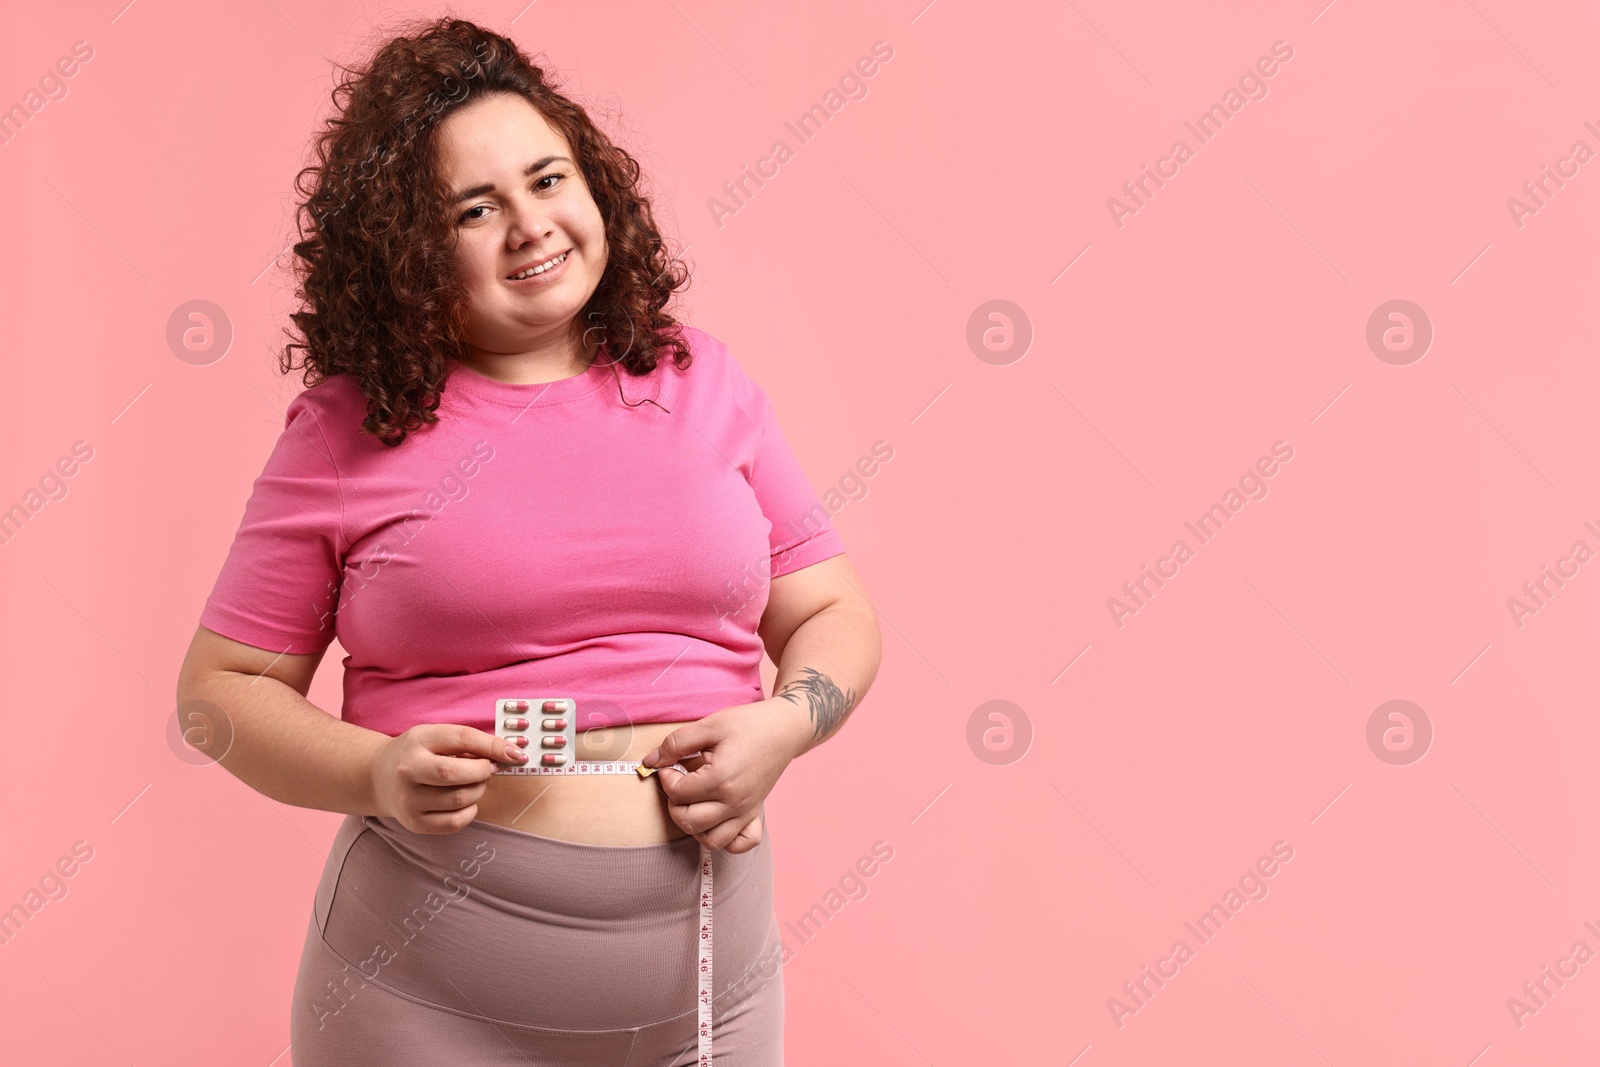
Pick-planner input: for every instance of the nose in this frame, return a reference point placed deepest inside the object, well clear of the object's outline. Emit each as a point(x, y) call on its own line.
point(525, 221)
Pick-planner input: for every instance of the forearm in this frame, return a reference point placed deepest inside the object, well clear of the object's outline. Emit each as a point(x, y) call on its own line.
point(284, 746)
point(827, 668)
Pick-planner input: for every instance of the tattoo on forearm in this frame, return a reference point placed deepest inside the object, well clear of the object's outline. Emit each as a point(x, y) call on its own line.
point(825, 704)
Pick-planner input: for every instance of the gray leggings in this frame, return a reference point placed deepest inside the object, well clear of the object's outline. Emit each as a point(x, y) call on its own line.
point(492, 947)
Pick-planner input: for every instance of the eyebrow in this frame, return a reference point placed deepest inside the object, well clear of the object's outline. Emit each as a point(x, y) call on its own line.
point(533, 168)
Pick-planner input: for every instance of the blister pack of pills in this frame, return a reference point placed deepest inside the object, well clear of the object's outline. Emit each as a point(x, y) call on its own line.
point(546, 728)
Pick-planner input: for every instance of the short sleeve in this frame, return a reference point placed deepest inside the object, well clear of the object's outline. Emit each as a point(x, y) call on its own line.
point(802, 529)
point(278, 588)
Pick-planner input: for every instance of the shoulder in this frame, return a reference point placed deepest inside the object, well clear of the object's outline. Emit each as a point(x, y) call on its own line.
point(326, 418)
point(719, 372)
point(332, 400)
point(335, 407)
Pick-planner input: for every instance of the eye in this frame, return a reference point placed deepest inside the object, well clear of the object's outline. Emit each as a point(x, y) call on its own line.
point(467, 215)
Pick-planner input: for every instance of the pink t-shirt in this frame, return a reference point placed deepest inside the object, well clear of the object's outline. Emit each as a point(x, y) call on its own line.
point(539, 540)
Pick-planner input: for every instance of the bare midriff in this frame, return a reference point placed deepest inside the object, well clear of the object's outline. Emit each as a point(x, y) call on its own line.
point(601, 809)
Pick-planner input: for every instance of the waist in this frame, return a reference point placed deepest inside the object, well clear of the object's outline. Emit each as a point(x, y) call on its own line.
point(601, 809)
point(391, 705)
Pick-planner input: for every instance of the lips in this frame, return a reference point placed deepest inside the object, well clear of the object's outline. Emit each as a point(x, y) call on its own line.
point(537, 263)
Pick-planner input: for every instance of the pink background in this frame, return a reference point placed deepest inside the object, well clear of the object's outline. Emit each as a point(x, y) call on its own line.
point(1228, 313)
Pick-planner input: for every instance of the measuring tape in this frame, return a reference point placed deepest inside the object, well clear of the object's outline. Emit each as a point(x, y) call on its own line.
point(553, 720)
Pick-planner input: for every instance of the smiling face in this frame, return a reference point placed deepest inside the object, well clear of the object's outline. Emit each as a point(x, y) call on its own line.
point(518, 201)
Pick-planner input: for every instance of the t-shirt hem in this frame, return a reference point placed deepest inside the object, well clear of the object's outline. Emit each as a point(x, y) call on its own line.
point(683, 707)
point(246, 631)
point(823, 545)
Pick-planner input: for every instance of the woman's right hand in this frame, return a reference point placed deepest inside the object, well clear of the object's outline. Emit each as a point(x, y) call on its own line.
point(430, 778)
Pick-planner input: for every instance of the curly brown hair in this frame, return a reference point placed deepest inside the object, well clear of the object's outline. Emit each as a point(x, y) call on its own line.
point(374, 263)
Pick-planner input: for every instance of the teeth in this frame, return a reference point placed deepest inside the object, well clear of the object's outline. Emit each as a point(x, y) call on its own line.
point(541, 268)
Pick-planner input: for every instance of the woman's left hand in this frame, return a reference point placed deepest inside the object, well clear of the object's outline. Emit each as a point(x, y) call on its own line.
point(745, 748)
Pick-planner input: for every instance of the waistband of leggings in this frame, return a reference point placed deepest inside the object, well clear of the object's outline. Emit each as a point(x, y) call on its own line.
point(513, 857)
point(510, 833)
point(529, 843)
point(510, 869)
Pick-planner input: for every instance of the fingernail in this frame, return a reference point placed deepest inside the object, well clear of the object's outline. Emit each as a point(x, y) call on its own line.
point(650, 760)
point(515, 754)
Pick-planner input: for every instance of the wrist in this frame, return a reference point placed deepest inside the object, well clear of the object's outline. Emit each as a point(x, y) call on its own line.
point(372, 798)
point(799, 735)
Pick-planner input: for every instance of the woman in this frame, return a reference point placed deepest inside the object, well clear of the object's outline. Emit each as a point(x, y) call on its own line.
point(495, 487)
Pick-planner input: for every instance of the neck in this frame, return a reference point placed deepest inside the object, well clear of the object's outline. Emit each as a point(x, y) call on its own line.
point(534, 367)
